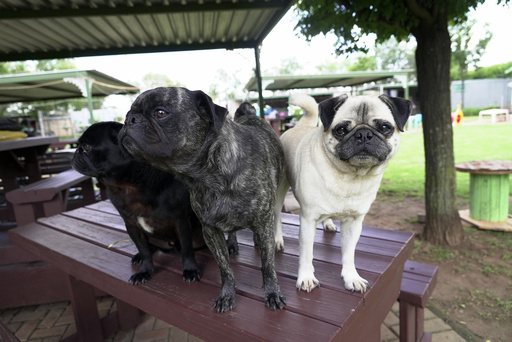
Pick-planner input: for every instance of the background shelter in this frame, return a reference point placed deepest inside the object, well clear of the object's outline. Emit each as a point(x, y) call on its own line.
point(347, 79)
point(58, 85)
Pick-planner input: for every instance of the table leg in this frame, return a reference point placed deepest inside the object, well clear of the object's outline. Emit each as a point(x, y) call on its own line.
point(85, 310)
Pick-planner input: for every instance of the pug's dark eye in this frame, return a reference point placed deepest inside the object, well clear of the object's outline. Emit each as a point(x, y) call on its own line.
point(160, 113)
point(340, 130)
point(86, 148)
point(386, 128)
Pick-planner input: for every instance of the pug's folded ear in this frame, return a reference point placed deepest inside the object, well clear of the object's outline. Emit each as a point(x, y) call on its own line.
point(400, 108)
point(214, 114)
point(328, 108)
point(114, 131)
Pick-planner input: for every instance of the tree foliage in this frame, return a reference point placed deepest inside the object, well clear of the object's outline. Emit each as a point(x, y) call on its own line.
point(494, 71)
point(467, 50)
point(225, 86)
point(353, 21)
point(153, 80)
point(396, 55)
point(364, 63)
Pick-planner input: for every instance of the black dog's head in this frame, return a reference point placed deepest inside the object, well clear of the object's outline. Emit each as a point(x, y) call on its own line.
point(165, 124)
point(98, 153)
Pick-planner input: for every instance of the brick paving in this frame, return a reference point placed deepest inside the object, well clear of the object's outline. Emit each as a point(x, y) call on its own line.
point(54, 322)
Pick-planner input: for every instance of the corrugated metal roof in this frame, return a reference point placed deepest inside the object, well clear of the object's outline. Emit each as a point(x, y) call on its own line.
point(60, 85)
point(287, 82)
point(47, 29)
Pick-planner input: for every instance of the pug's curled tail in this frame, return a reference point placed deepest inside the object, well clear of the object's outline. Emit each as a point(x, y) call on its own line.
point(308, 103)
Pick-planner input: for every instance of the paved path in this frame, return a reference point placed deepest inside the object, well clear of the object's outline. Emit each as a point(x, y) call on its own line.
point(54, 322)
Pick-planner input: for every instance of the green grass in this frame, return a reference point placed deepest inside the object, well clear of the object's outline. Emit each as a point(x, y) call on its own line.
point(405, 174)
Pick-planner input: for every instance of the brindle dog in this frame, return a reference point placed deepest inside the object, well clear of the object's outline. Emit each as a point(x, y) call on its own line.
point(232, 169)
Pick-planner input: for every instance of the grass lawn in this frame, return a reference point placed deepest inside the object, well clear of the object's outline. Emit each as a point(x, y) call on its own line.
point(405, 174)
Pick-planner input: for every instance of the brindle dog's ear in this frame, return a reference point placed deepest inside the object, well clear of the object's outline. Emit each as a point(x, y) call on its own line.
point(210, 111)
point(400, 108)
point(328, 108)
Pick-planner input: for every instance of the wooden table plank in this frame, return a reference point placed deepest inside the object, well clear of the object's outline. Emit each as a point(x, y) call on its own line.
point(106, 219)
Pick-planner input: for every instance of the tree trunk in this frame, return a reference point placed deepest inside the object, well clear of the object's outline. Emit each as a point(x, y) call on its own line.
point(433, 54)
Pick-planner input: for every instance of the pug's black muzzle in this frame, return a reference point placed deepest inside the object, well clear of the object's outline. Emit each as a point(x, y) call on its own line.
point(363, 141)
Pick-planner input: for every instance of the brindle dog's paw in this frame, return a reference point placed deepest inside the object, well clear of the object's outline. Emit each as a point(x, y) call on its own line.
point(224, 303)
point(137, 259)
point(233, 250)
point(232, 245)
point(140, 278)
point(191, 275)
point(275, 300)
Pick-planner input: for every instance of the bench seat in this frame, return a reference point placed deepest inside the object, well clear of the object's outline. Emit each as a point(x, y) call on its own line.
point(49, 196)
point(418, 283)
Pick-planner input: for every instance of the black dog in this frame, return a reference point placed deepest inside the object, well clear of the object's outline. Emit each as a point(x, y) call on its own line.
point(232, 169)
point(152, 203)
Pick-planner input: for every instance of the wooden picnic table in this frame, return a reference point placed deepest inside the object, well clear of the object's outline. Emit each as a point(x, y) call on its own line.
point(90, 244)
point(494, 113)
point(19, 158)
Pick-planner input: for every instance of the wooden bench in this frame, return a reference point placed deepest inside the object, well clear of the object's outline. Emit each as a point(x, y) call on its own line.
point(418, 283)
point(53, 162)
point(39, 281)
point(91, 246)
point(49, 196)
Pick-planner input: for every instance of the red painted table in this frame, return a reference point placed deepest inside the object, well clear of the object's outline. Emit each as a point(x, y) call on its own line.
point(92, 247)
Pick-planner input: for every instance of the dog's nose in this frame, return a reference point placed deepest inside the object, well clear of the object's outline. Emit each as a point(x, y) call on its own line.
point(131, 119)
point(364, 135)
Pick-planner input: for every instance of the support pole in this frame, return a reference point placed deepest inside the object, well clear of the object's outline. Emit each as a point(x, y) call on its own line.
point(88, 89)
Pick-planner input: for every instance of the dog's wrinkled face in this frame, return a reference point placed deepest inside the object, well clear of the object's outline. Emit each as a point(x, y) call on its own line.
point(165, 124)
point(97, 153)
point(363, 131)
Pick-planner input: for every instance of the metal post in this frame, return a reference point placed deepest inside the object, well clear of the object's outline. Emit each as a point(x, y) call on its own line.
point(41, 122)
point(89, 101)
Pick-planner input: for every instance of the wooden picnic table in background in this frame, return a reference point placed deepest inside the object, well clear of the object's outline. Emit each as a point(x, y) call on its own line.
point(19, 158)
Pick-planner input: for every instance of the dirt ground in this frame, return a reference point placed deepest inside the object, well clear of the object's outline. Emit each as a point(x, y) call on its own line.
point(473, 292)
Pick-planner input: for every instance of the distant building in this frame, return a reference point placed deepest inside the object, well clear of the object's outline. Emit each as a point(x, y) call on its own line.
point(482, 93)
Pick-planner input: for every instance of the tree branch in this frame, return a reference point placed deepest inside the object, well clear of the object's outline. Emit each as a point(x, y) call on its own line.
point(419, 11)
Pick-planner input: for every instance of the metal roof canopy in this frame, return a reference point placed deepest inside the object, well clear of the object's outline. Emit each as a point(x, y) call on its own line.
point(48, 29)
point(60, 85)
point(347, 79)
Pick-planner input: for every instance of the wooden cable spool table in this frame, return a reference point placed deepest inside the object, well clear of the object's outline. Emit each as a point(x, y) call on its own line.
point(489, 189)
